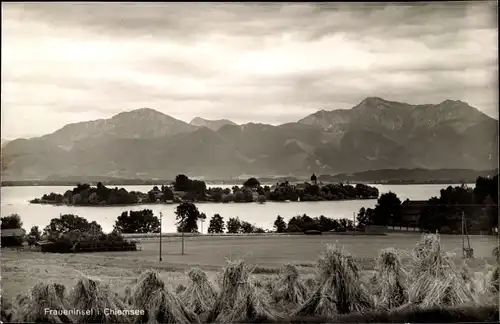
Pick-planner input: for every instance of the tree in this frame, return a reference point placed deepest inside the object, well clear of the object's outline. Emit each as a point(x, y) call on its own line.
point(35, 233)
point(326, 224)
point(279, 225)
point(363, 218)
point(233, 225)
point(187, 217)
point(95, 229)
point(216, 224)
point(11, 222)
point(432, 216)
point(239, 196)
point(182, 183)
point(143, 221)
point(261, 199)
point(302, 223)
point(246, 227)
point(64, 224)
point(388, 210)
point(168, 194)
point(252, 183)
point(314, 179)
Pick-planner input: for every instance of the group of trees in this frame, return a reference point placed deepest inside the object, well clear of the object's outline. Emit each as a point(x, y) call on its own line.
point(72, 233)
point(84, 194)
point(478, 205)
point(141, 221)
point(188, 215)
point(185, 189)
point(387, 212)
point(304, 223)
point(11, 222)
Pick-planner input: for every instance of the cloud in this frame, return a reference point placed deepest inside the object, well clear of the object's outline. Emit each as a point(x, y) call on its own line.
point(269, 63)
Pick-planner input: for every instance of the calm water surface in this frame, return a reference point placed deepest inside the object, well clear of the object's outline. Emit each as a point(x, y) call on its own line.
point(15, 200)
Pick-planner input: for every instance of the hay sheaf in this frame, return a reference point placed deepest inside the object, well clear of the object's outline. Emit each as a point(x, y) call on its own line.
point(5, 310)
point(32, 308)
point(436, 281)
point(288, 288)
point(180, 289)
point(200, 294)
point(494, 280)
point(105, 305)
point(126, 295)
point(159, 304)
point(240, 300)
point(390, 280)
point(340, 290)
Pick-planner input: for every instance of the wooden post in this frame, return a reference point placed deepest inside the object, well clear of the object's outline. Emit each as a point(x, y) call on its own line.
point(182, 235)
point(463, 239)
point(161, 217)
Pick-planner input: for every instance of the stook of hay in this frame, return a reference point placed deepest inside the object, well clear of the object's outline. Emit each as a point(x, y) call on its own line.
point(494, 280)
point(200, 295)
point(180, 289)
point(390, 280)
point(340, 290)
point(19, 305)
point(436, 281)
point(5, 310)
point(43, 296)
point(92, 294)
point(311, 285)
point(266, 284)
point(126, 296)
point(159, 304)
point(240, 300)
point(289, 289)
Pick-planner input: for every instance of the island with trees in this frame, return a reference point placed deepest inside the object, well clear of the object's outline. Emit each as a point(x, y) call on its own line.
point(185, 189)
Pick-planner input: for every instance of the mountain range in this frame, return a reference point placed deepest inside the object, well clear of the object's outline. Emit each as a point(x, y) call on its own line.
point(375, 134)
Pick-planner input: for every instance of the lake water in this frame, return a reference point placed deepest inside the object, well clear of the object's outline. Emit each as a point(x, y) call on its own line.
point(15, 200)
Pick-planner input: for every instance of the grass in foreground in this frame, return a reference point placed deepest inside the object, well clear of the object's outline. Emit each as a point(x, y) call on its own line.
point(338, 292)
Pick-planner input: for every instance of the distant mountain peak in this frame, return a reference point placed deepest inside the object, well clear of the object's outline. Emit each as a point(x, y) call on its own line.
point(197, 120)
point(453, 102)
point(142, 112)
point(373, 99)
point(211, 124)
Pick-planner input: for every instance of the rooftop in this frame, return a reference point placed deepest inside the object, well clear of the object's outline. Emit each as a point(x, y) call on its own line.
point(11, 232)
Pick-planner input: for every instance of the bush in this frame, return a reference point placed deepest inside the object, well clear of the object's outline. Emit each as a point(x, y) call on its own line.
point(105, 243)
point(12, 241)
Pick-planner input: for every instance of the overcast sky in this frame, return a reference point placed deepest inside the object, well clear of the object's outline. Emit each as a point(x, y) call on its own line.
point(268, 63)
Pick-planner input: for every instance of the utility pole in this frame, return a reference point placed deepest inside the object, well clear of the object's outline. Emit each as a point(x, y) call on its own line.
point(354, 222)
point(201, 224)
point(182, 235)
point(161, 217)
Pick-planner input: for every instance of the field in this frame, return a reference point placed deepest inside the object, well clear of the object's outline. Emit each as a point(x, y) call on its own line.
point(22, 269)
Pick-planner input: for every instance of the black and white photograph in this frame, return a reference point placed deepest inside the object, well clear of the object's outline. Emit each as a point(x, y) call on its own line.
point(249, 162)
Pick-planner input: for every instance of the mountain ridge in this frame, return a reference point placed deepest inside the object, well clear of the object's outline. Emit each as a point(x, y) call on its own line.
point(374, 134)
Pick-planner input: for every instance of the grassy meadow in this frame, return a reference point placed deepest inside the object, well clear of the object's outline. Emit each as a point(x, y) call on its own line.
point(23, 269)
